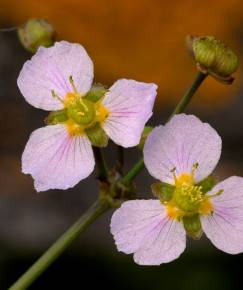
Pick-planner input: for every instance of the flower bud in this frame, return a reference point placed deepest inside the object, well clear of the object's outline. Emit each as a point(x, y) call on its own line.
point(35, 33)
point(97, 136)
point(213, 57)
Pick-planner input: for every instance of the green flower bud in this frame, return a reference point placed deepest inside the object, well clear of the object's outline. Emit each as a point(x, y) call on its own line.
point(146, 131)
point(35, 33)
point(207, 184)
point(56, 117)
point(163, 191)
point(213, 57)
point(97, 136)
point(96, 92)
point(193, 226)
point(81, 112)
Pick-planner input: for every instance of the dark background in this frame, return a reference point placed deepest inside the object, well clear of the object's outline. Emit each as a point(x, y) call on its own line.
point(143, 40)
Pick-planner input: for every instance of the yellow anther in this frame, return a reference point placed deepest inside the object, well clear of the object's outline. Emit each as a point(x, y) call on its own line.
point(206, 207)
point(173, 211)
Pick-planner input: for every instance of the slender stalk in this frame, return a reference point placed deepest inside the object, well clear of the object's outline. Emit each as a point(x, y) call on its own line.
point(184, 101)
point(136, 169)
point(60, 245)
point(101, 164)
point(181, 106)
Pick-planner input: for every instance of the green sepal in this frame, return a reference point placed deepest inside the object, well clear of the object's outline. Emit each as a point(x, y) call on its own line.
point(192, 225)
point(97, 136)
point(96, 92)
point(56, 117)
point(163, 191)
point(207, 184)
point(146, 131)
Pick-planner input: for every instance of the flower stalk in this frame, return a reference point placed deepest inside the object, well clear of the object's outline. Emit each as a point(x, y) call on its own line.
point(101, 164)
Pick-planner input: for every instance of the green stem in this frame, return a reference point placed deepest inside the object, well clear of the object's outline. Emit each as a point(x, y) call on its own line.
point(101, 164)
point(126, 180)
point(60, 245)
point(181, 106)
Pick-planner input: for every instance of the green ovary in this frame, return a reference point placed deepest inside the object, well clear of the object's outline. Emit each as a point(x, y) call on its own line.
point(188, 197)
point(82, 112)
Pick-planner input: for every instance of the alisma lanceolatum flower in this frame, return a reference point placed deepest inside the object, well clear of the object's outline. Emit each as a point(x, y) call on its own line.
point(182, 155)
point(60, 79)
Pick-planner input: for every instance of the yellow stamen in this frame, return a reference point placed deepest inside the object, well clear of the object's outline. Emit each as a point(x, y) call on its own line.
point(101, 113)
point(206, 207)
point(70, 98)
point(173, 211)
point(185, 178)
point(73, 128)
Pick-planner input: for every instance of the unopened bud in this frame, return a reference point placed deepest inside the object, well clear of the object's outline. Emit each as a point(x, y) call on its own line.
point(213, 57)
point(35, 33)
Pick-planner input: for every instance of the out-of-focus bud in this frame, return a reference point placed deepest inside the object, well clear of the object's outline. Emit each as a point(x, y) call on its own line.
point(213, 57)
point(35, 33)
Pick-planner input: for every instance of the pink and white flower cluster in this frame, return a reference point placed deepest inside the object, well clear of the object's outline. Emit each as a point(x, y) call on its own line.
point(60, 155)
point(182, 153)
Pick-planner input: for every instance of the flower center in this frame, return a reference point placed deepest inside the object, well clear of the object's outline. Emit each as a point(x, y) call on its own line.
point(82, 113)
point(188, 198)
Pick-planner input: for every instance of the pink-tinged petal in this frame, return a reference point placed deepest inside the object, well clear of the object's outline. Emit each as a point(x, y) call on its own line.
point(181, 143)
point(50, 69)
point(224, 227)
point(55, 159)
point(130, 105)
point(142, 227)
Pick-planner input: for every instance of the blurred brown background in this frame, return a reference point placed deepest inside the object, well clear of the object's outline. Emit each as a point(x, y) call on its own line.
point(143, 40)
